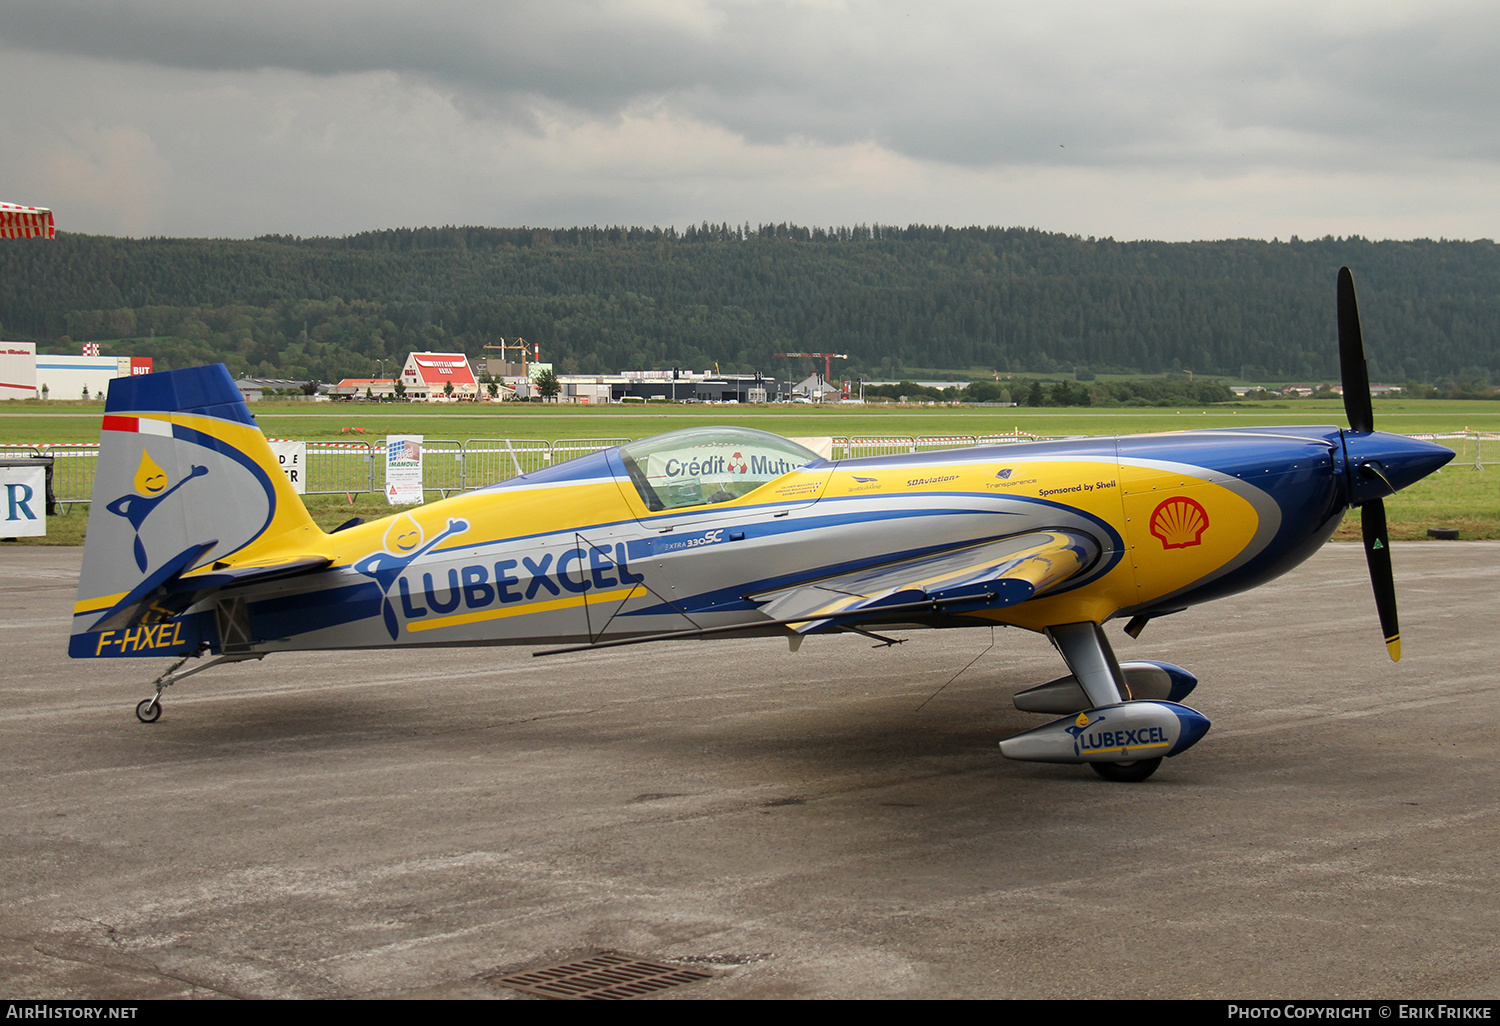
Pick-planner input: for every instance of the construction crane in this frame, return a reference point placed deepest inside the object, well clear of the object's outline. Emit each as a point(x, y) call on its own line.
point(827, 358)
point(520, 344)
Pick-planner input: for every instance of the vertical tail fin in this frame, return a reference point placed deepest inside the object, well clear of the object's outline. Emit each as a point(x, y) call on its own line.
point(185, 480)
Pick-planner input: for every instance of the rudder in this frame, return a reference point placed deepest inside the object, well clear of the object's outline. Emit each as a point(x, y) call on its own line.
point(185, 481)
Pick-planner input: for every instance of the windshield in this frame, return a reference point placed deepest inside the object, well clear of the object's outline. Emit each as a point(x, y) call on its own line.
point(706, 465)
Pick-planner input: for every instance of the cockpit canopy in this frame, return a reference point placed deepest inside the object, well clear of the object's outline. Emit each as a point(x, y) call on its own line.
point(699, 466)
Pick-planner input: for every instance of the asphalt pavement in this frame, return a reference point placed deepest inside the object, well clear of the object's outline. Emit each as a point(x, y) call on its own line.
point(831, 823)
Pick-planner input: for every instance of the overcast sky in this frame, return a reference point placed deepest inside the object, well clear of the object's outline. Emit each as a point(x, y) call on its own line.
point(1168, 120)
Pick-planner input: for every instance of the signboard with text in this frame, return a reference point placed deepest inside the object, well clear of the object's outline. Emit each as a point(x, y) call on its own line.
point(18, 371)
point(23, 502)
point(293, 459)
point(403, 469)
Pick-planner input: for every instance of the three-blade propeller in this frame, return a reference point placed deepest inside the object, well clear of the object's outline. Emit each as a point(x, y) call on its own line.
point(1358, 408)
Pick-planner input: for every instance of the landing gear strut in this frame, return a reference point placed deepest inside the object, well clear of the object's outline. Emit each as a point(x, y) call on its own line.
point(148, 710)
point(1122, 735)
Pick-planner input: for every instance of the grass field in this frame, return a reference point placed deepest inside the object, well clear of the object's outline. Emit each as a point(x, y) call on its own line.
point(62, 421)
point(1458, 496)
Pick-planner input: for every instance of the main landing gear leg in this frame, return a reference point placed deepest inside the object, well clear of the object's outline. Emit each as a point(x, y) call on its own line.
point(1121, 729)
point(148, 710)
point(1086, 650)
point(1088, 654)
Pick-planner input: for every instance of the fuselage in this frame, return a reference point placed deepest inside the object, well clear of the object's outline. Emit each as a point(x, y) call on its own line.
point(576, 553)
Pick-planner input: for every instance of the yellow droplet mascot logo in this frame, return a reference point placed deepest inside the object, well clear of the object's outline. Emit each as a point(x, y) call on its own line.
point(150, 483)
point(404, 536)
point(150, 479)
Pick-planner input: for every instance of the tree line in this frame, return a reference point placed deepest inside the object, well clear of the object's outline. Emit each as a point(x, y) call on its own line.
point(1167, 391)
point(980, 302)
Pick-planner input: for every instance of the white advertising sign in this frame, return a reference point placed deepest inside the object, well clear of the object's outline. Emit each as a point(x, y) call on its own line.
point(23, 502)
point(820, 444)
point(293, 459)
point(403, 469)
point(18, 372)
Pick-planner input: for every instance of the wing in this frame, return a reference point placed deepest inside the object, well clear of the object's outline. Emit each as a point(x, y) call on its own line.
point(990, 574)
point(986, 575)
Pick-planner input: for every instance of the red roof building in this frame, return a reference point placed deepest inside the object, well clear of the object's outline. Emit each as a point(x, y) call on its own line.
point(356, 387)
point(425, 374)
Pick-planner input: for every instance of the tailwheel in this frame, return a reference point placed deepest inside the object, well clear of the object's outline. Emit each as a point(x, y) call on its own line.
point(148, 710)
point(1126, 772)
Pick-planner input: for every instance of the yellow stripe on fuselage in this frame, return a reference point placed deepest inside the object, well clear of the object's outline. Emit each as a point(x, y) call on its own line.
point(532, 607)
point(1132, 748)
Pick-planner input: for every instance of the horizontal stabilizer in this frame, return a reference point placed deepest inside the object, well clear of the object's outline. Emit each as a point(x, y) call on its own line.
point(169, 592)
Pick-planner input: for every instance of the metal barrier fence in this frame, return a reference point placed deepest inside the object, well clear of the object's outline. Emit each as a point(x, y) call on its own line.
point(1011, 438)
point(449, 466)
point(857, 446)
point(933, 443)
point(489, 461)
point(72, 468)
point(442, 466)
point(891, 445)
point(73, 472)
point(335, 468)
point(1476, 449)
point(573, 448)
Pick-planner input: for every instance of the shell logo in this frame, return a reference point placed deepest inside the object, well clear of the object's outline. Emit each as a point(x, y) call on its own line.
point(1179, 522)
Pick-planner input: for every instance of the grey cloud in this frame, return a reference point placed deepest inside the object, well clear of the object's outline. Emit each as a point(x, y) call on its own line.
point(975, 84)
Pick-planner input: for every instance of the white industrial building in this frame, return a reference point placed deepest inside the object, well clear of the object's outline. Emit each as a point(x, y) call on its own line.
point(25, 374)
point(17, 370)
point(66, 377)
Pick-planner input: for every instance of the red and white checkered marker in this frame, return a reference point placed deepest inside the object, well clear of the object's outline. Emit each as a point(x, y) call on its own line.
point(18, 222)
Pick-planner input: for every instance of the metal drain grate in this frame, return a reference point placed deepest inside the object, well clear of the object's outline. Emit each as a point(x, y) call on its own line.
point(601, 978)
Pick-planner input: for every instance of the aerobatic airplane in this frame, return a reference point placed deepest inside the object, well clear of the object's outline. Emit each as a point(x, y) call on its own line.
point(198, 546)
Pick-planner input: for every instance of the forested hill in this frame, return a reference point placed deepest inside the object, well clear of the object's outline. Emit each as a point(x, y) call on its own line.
point(606, 299)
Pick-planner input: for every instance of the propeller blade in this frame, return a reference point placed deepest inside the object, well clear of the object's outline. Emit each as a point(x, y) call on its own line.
point(1378, 556)
point(1352, 371)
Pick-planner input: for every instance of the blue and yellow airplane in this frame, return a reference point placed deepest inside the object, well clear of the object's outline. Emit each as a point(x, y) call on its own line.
point(198, 546)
